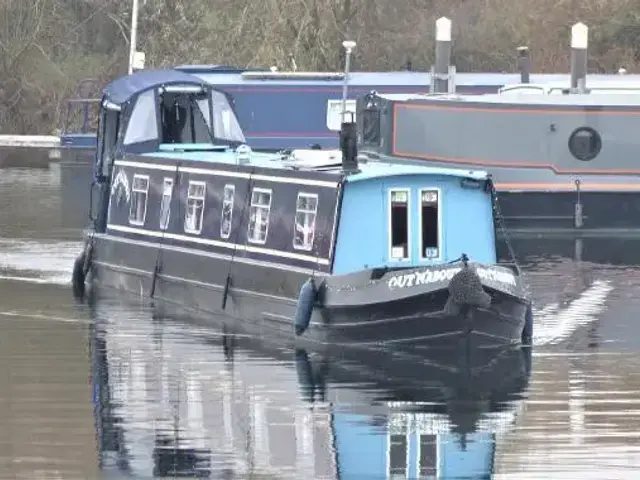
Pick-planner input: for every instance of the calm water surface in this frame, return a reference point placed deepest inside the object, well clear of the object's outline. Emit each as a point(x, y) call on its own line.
point(114, 387)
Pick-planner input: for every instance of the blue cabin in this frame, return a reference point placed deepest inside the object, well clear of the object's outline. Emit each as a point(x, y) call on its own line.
point(407, 448)
point(406, 216)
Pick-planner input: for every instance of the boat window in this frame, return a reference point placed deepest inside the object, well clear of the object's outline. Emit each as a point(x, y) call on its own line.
point(225, 123)
point(139, 194)
point(371, 127)
point(227, 211)
point(259, 215)
point(430, 224)
point(203, 105)
point(165, 205)
point(195, 207)
point(399, 224)
point(183, 120)
point(398, 457)
point(428, 466)
point(143, 123)
point(305, 224)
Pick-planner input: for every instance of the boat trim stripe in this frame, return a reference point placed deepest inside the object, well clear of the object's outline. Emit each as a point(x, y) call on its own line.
point(195, 251)
point(227, 173)
point(242, 291)
point(218, 243)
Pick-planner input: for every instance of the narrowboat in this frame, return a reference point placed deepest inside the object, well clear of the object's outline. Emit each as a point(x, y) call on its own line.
point(309, 102)
point(561, 163)
point(347, 251)
point(170, 401)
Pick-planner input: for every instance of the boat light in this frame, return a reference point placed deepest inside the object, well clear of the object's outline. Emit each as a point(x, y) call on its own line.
point(243, 153)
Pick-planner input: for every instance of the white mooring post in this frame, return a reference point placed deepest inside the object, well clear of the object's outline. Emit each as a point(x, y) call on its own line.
point(579, 45)
point(443, 56)
point(524, 64)
point(348, 46)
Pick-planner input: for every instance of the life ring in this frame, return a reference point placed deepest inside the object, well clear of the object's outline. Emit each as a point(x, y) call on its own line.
point(78, 276)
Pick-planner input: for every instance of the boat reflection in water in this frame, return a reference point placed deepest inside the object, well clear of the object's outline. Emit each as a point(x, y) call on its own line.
point(178, 400)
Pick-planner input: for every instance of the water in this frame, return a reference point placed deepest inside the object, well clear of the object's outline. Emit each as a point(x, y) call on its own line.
point(114, 387)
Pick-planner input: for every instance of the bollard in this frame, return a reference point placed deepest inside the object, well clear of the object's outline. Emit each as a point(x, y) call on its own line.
point(443, 55)
point(578, 217)
point(579, 43)
point(524, 64)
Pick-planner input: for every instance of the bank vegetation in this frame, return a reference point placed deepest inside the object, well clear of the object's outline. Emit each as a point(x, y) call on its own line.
point(48, 46)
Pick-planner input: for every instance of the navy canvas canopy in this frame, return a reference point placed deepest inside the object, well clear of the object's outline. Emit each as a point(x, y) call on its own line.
point(124, 88)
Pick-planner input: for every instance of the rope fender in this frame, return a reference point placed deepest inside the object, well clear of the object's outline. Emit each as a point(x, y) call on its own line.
point(465, 290)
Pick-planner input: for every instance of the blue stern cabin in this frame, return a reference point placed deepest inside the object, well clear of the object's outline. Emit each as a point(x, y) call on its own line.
point(408, 216)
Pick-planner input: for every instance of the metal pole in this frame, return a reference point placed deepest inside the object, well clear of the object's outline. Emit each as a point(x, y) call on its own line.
point(443, 55)
point(348, 45)
point(579, 43)
point(524, 64)
point(134, 34)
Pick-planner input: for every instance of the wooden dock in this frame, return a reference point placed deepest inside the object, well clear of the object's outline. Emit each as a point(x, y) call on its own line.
point(29, 141)
point(29, 150)
point(24, 143)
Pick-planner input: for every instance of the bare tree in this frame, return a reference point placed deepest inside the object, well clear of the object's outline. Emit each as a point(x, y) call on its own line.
point(48, 46)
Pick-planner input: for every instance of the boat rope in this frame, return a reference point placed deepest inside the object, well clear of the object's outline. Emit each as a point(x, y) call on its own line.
point(158, 266)
point(227, 283)
point(501, 224)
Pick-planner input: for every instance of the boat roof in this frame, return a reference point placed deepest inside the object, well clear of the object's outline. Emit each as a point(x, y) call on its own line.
point(223, 75)
point(326, 161)
point(124, 88)
point(356, 79)
point(619, 85)
point(602, 99)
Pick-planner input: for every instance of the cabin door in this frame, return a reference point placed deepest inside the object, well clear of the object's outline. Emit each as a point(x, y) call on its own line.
point(107, 138)
point(106, 148)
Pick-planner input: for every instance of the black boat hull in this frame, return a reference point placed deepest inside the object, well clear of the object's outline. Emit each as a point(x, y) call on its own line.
point(266, 297)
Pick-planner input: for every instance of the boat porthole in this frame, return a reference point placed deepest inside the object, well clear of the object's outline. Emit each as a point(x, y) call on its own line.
point(585, 143)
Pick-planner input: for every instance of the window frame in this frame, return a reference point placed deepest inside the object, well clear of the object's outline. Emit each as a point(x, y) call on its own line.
point(438, 449)
point(134, 190)
point(134, 135)
point(232, 187)
point(440, 236)
point(170, 181)
point(390, 191)
point(251, 206)
point(295, 221)
point(407, 459)
point(194, 231)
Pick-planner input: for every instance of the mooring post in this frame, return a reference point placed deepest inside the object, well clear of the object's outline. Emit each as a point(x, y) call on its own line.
point(578, 248)
point(348, 46)
point(524, 64)
point(578, 217)
point(443, 55)
point(579, 43)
